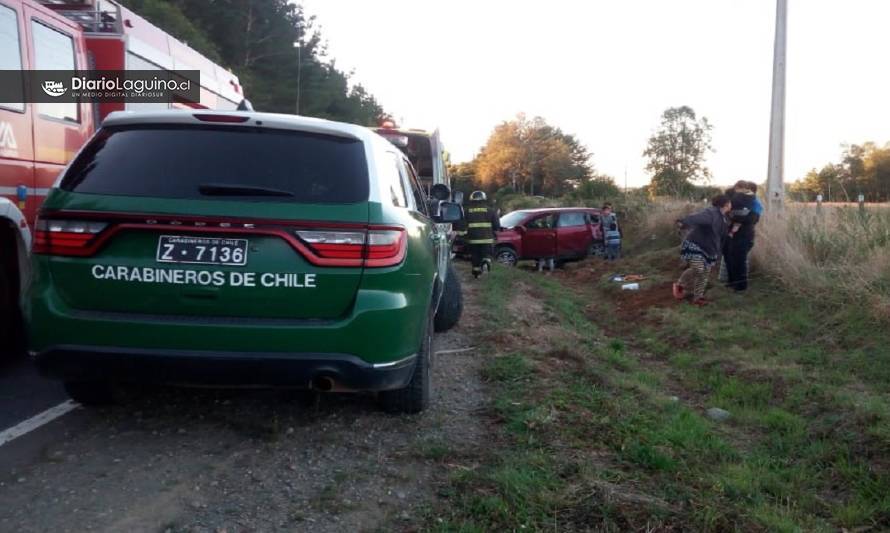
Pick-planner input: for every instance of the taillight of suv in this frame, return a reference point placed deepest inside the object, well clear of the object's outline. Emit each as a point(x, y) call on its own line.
point(66, 237)
point(368, 246)
point(377, 247)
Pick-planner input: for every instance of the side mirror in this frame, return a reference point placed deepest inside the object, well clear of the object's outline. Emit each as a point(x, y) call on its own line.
point(440, 191)
point(457, 197)
point(245, 105)
point(449, 212)
point(520, 229)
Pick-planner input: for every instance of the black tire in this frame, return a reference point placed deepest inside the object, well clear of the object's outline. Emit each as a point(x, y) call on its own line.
point(11, 327)
point(506, 256)
point(415, 397)
point(452, 303)
point(596, 250)
point(90, 392)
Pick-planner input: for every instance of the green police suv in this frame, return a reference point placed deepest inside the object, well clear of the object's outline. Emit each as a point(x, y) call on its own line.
point(241, 249)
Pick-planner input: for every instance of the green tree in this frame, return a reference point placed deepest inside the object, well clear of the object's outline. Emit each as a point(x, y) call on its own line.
point(463, 177)
point(532, 157)
point(256, 39)
point(863, 169)
point(677, 150)
point(171, 19)
point(598, 187)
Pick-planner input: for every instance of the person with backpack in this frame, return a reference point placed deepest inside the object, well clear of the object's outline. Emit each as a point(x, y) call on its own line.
point(701, 248)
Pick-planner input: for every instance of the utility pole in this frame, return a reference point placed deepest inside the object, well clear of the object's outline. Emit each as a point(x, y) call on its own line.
point(775, 174)
point(299, 47)
point(625, 179)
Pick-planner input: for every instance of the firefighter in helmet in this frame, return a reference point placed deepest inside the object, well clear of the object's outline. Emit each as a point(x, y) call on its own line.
point(482, 222)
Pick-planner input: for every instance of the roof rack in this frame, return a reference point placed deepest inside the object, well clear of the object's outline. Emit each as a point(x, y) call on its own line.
point(94, 16)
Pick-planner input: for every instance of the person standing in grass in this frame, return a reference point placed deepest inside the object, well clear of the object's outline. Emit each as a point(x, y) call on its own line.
point(611, 233)
point(756, 213)
point(701, 247)
point(745, 214)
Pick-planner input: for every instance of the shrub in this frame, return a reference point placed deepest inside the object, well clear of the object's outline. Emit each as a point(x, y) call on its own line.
point(836, 254)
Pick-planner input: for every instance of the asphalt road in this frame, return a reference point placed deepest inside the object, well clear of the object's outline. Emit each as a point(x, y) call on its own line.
point(23, 393)
point(205, 460)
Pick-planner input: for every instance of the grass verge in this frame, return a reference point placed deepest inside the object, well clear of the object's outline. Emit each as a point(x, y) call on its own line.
point(600, 410)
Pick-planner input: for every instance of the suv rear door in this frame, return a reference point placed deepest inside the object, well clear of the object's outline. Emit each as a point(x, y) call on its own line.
point(539, 240)
point(573, 235)
point(288, 210)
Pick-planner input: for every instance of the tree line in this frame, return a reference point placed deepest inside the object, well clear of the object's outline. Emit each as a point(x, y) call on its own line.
point(862, 169)
point(256, 40)
point(532, 157)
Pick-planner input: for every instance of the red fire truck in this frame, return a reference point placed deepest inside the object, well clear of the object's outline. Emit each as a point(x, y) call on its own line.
point(38, 140)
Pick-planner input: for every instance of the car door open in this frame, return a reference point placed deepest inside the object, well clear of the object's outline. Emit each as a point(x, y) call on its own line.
point(539, 240)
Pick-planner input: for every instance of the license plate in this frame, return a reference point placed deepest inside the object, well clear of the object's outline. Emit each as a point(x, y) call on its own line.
point(202, 250)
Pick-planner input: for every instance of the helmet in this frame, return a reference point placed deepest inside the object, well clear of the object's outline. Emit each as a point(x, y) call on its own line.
point(478, 196)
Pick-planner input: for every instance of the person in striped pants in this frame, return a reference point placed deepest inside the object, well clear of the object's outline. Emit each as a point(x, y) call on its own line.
point(701, 248)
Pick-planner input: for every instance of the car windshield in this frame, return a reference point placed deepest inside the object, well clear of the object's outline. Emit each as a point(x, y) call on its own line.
point(223, 163)
point(510, 220)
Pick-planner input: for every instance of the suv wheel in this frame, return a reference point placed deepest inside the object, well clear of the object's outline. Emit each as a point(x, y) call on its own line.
point(506, 256)
point(596, 250)
point(451, 305)
point(10, 316)
point(415, 397)
point(90, 392)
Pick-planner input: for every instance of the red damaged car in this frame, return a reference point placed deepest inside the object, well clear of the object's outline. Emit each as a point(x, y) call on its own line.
point(563, 233)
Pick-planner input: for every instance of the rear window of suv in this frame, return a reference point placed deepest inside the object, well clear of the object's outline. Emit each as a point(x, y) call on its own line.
point(222, 163)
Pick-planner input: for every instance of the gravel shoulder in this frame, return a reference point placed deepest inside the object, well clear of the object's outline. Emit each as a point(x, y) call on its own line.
point(209, 460)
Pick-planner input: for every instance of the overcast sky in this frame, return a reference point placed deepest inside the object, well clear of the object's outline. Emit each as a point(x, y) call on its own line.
point(605, 70)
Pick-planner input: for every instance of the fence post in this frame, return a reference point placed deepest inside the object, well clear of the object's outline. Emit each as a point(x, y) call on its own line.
point(818, 203)
point(861, 203)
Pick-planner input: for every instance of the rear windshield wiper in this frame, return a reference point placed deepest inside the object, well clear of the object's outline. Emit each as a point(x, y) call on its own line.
point(226, 189)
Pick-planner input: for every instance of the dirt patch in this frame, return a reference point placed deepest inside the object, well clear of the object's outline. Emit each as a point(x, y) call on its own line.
point(630, 309)
point(537, 329)
point(524, 306)
point(208, 461)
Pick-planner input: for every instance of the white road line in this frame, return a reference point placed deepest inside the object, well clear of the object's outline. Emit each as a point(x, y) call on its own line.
point(36, 421)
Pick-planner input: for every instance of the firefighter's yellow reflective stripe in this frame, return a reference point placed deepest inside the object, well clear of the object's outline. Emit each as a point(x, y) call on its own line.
point(460, 232)
point(477, 210)
point(479, 225)
point(480, 241)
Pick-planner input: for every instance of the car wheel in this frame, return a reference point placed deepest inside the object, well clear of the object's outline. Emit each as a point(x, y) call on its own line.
point(596, 250)
point(451, 305)
point(506, 256)
point(10, 317)
point(90, 392)
point(415, 397)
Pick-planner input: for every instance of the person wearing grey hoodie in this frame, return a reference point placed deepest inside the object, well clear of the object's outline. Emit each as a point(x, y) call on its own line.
point(701, 247)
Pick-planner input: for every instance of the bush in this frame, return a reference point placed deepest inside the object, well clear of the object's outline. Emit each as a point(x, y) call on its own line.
point(836, 255)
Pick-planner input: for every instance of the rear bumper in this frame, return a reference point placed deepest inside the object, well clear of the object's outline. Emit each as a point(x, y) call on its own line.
point(188, 367)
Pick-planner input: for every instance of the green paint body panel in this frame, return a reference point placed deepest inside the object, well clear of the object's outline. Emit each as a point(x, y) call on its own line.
point(375, 314)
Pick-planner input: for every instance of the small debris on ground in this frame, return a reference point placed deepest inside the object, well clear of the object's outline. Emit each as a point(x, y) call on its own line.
point(717, 414)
